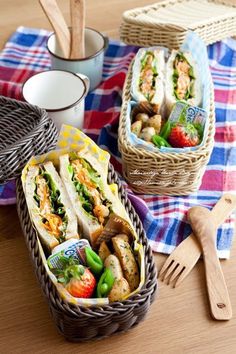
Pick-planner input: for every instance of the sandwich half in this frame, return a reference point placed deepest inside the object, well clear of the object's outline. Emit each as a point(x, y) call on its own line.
point(90, 195)
point(49, 206)
point(182, 80)
point(147, 77)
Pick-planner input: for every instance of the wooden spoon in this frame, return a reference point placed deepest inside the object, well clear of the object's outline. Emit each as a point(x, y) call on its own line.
point(77, 10)
point(58, 23)
point(205, 230)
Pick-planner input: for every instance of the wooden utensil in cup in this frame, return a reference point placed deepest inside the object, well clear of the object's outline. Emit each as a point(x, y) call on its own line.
point(204, 229)
point(58, 23)
point(77, 11)
point(181, 261)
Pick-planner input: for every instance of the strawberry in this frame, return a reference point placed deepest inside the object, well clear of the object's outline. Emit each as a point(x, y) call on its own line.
point(77, 279)
point(82, 285)
point(183, 135)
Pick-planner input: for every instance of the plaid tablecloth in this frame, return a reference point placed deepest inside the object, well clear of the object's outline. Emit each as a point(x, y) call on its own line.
point(164, 218)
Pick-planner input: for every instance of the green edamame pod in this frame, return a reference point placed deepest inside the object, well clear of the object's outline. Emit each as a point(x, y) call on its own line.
point(93, 261)
point(160, 141)
point(105, 283)
point(166, 129)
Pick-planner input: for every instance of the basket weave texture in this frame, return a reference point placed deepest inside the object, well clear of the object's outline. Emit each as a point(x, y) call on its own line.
point(158, 172)
point(166, 23)
point(26, 131)
point(78, 323)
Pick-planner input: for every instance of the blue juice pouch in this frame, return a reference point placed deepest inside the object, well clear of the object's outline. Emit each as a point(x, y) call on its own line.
point(71, 248)
point(185, 113)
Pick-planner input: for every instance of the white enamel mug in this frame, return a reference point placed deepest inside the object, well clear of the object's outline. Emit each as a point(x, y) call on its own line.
point(61, 93)
point(91, 65)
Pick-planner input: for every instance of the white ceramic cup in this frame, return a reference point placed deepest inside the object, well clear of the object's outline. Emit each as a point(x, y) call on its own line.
point(60, 93)
point(91, 65)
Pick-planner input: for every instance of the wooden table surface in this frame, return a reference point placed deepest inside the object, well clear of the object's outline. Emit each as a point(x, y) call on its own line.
point(178, 321)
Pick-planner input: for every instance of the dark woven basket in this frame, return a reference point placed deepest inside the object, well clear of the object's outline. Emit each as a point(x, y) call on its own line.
point(26, 131)
point(78, 323)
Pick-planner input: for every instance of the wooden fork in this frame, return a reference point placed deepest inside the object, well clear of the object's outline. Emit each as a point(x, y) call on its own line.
point(205, 232)
point(181, 261)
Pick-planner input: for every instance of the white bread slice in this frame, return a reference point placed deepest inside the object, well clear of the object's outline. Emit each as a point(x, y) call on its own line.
point(138, 96)
point(90, 227)
point(117, 206)
point(49, 240)
point(72, 226)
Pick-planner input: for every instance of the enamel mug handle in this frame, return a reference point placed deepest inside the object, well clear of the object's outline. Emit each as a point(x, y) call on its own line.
point(106, 42)
point(86, 80)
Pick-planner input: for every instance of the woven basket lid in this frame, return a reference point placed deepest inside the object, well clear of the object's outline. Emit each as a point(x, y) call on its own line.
point(26, 131)
point(168, 21)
